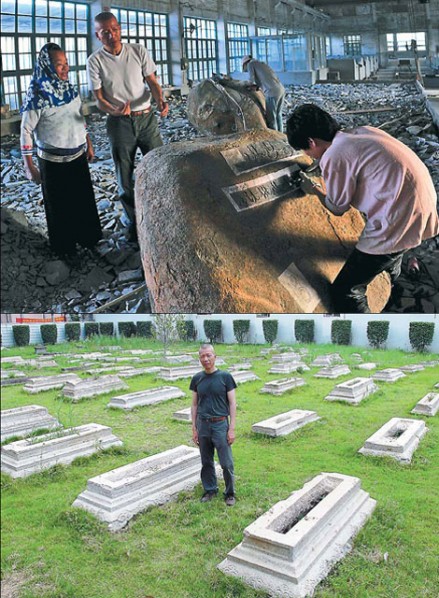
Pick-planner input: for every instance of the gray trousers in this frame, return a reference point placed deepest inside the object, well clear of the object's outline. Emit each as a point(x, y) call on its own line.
point(273, 108)
point(211, 436)
point(126, 134)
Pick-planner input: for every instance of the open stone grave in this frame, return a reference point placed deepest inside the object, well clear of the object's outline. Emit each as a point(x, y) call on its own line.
point(25, 457)
point(41, 383)
point(326, 360)
point(352, 391)
point(293, 546)
point(415, 367)
point(149, 396)
point(288, 367)
point(116, 496)
point(388, 375)
point(428, 405)
point(21, 421)
point(241, 376)
point(177, 373)
point(333, 371)
point(278, 387)
point(82, 389)
point(183, 415)
point(398, 438)
point(285, 423)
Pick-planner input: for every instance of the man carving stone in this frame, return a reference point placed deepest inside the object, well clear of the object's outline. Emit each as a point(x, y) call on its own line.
point(213, 403)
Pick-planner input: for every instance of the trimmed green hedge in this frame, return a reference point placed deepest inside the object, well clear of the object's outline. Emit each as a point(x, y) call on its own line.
point(270, 330)
point(341, 332)
point(241, 329)
point(106, 328)
point(127, 329)
point(21, 334)
point(72, 331)
point(377, 332)
point(304, 331)
point(421, 335)
point(49, 333)
point(213, 329)
point(91, 329)
point(187, 331)
point(144, 329)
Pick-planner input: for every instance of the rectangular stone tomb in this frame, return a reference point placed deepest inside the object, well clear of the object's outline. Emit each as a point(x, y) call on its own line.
point(6, 374)
point(182, 372)
point(24, 457)
point(278, 387)
point(132, 372)
point(414, 367)
point(41, 383)
point(179, 358)
point(293, 546)
point(367, 366)
point(149, 396)
point(333, 371)
point(398, 438)
point(388, 375)
point(240, 366)
point(325, 360)
point(108, 368)
point(92, 387)
point(22, 421)
point(428, 405)
point(352, 391)
point(183, 415)
point(286, 357)
point(116, 496)
point(15, 360)
point(241, 376)
point(285, 423)
point(288, 367)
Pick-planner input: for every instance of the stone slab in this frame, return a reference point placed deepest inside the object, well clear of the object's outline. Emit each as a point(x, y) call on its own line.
point(428, 405)
point(367, 366)
point(92, 387)
point(242, 376)
point(289, 549)
point(179, 373)
point(398, 438)
point(288, 367)
point(22, 421)
point(42, 383)
point(149, 396)
point(183, 415)
point(278, 387)
point(17, 360)
point(285, 423)
point(240, 366)
point(133, 372)
point(352, 391)
point(24, 457)
point(388, 375)
point(6, 374)
point(334, 371)
point(411, 368)
point(326, 360)
point(286, 357)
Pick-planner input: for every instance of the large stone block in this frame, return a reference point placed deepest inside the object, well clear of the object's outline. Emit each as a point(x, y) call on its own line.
point(278, 387)
point(352, 391)
point(285, 423)
point(17, 360)
point(428, 405)
point(41, 383)
point(22, 421)
point(287, 367)
point(367, 366)
point(243, 376)
point(177, 373)
point(24, 457)
point(149, 396)
point(133, 372)
point(6, 374)
point(293, 546)
point(334, 371)
point(240, 366)
point(398, 438)
point(411, 368)
point(286, 357)
point(388, 375)
point(116, 496)
point(326, 360)
point(183, 415)
point(82, 389)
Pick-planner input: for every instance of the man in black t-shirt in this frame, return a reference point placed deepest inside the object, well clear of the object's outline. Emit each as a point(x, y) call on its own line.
point(213, 402)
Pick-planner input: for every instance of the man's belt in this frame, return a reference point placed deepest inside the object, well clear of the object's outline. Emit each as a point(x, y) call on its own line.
point(214, 419)
point(140, 112)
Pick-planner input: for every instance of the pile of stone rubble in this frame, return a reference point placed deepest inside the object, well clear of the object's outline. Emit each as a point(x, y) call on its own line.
point(111, 277)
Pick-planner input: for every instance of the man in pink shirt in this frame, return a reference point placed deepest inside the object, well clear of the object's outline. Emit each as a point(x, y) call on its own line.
point(378, 175)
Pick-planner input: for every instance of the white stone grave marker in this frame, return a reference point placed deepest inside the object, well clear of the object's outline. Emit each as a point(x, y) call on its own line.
point(398, 438)
point(285, 423)
point(278, 387)
point(428, 405)
point(353, 391)
point(22, 421)
point(149, 396)
point(95, 386)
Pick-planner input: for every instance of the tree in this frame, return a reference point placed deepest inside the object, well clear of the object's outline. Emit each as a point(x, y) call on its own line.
point(166, 327)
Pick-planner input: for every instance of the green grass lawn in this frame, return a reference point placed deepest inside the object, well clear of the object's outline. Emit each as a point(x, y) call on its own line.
point(51, 550)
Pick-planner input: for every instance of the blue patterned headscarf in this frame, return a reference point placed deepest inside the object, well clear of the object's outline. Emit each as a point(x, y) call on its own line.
point(46, 89)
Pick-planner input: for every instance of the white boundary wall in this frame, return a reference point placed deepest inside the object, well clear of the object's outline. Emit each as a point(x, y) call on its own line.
point(398, 330)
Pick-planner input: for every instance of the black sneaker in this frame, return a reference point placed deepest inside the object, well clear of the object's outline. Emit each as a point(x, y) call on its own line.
point(207, 496)
point(230, 500)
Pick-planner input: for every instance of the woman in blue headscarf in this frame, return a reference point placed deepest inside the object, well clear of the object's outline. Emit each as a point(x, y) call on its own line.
point(51, 113)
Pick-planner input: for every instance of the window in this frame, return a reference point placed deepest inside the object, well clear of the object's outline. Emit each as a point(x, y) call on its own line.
point(200, 38)
point(352, 45)
point(402, 42)
point(151, 30)
point(238, 45)
point(261, 45)
point(29, 24)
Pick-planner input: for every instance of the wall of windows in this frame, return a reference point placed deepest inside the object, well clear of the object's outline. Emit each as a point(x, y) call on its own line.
point(200, 38)
point(238, 45)
point(352, 45)
point(26, 25)
point(151, 30)
point(402, 42)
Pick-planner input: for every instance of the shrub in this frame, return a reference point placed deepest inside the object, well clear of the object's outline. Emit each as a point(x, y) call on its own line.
point(270, 330)
point(72, 331)
point(304, 331)
point(241, 329)
point(377, 332)
point(186, 330)
point(212, 329)
point(421, 335)
point(91, 329)
point(341, 332)
point(127, 329)
point(49, 333)
point(106, 328)
point(144, 329)
point(21, 335)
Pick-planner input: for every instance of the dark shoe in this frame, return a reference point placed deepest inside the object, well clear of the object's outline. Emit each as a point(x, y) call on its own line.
point(207, 496)
point(230, 501)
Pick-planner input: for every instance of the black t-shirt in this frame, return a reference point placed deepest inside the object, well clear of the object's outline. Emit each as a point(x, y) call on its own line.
point(212, 392)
